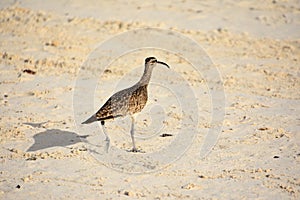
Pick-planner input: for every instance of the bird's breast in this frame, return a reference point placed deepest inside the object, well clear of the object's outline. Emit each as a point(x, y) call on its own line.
point(138, 99)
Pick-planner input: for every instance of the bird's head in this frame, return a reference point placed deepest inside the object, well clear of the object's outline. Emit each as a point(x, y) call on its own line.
point(152, 61)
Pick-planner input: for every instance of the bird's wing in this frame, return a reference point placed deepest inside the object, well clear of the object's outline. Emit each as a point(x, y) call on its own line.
point(115, 106)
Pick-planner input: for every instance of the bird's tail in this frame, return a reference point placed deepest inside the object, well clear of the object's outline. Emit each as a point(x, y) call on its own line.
point(90, 120)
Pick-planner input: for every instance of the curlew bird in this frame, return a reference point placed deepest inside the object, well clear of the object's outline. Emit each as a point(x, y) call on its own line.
point(126, 102)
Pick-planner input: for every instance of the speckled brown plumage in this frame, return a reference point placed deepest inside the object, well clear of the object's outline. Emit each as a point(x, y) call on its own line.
point(124, 102)
point(128, 101)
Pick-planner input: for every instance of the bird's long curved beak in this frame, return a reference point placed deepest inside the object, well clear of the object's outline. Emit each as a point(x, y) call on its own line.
point(163, 64)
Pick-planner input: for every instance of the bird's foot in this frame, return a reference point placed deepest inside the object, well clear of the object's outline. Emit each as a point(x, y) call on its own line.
point(135, 150)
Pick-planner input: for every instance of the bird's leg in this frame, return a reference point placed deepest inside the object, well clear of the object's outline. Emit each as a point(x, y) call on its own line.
point(132, 134)
point(107, 138)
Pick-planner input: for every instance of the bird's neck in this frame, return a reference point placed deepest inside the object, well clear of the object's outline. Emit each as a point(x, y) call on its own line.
point(146, 76)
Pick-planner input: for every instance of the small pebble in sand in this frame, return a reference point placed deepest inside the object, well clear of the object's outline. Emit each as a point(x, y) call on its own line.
point(166, 135)
point(127, 193)
point(29, 71)
point(263, 128)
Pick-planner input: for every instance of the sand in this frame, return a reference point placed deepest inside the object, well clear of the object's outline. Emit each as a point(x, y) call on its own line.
point(222, 123)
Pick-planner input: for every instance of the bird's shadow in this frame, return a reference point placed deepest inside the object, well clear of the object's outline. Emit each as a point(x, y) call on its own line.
point(54, 138)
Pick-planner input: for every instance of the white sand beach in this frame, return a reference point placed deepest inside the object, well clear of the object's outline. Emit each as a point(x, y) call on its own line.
point(222, 123)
